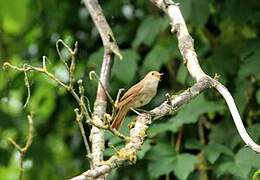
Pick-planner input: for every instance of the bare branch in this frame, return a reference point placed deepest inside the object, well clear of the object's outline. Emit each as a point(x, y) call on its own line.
point(79, 99)
point(100, 110)
point(190, 59)
point(138, 133)
point(101, 24)
point(27, 84)
point(79, 117)
point(23, 150)
point(110, 46)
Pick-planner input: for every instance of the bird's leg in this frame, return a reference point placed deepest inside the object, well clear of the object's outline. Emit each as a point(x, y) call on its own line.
point(138, 113)
point(140, 110)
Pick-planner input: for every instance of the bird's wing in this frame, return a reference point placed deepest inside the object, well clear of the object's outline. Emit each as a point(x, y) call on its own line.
point(130, 94)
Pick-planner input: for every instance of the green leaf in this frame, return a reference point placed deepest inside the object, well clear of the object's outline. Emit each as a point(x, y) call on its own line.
point(149, 29)
point(183, 165)
point(251, 62)
point(248, 157)
point(161, 148)
point(256, 175)
point(258, 96)
point(163, 164)
point(241, 93)
point(12, 104)
point(158, 128)
point(213, 151)
point(160, 166)
point(196, 11)
point(13, 15)
point(254, 132)
point(244, 161)
point(42, 100)
point(241, 171)
point(196, 107)
point(144, 149)
point(158, 56)
point(12, 170)
point(95, 60)
point(193, 144)
point(222, 130)
point(190, 112)
point(182, 74)
point(125, 69)
point(164, 160)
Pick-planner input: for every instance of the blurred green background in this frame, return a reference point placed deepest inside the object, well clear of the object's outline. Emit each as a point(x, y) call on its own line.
point(198, 142)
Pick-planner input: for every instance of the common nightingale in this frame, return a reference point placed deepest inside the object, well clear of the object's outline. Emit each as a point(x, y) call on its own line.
point(138, 95)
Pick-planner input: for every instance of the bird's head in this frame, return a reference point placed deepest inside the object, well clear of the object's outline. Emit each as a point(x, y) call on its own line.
point(154, 75)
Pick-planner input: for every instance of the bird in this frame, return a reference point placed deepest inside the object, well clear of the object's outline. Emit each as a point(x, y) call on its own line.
point(137, 96)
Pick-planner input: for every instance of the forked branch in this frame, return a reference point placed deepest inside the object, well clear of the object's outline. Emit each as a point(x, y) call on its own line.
point(23, 150)
point(190, 59)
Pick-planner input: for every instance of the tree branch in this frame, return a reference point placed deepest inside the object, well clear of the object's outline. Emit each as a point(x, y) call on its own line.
point(203, 81)
point(110, 47)
point(23, 150)
point(101, 24)
point(138, 133)
point(190, 59)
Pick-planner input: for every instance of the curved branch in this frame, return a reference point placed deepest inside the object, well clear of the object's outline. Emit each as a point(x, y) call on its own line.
point(190, 59)
point(236, 117)
point(203, 81)
point(101, 24)
point(138, 133)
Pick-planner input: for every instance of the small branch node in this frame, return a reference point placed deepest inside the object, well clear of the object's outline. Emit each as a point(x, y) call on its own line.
point(44, 59)
point(23, 150)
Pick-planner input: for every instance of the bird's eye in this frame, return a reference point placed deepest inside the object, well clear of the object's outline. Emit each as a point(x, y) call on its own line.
point(152, 73)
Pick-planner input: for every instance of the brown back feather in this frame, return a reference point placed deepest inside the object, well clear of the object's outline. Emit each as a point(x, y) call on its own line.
point(130, 94)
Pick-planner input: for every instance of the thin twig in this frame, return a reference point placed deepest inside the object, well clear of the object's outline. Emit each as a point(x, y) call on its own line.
point(94, 74)
point(23, 150)
point(27, 84)
point(80, 100)
point(83, 134)
point(179, 140)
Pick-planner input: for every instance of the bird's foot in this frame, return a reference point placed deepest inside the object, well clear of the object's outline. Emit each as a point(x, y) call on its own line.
point(140, 111)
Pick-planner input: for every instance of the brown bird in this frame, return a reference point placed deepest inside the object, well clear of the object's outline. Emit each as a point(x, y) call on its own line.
point(138, 95)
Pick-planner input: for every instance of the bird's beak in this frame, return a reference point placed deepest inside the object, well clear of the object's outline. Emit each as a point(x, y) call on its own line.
point(159, 76)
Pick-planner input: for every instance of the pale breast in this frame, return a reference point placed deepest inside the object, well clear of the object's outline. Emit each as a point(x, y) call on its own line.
point(145, 95)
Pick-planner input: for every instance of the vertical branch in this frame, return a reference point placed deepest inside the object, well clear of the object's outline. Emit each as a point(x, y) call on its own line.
point(101, 24)
point(99, 111)
point(110, 47)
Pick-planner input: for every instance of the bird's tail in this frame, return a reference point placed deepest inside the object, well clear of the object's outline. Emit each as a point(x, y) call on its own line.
point(119, 118)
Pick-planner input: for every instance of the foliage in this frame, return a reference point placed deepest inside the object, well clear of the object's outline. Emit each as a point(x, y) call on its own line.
point(227, 42)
